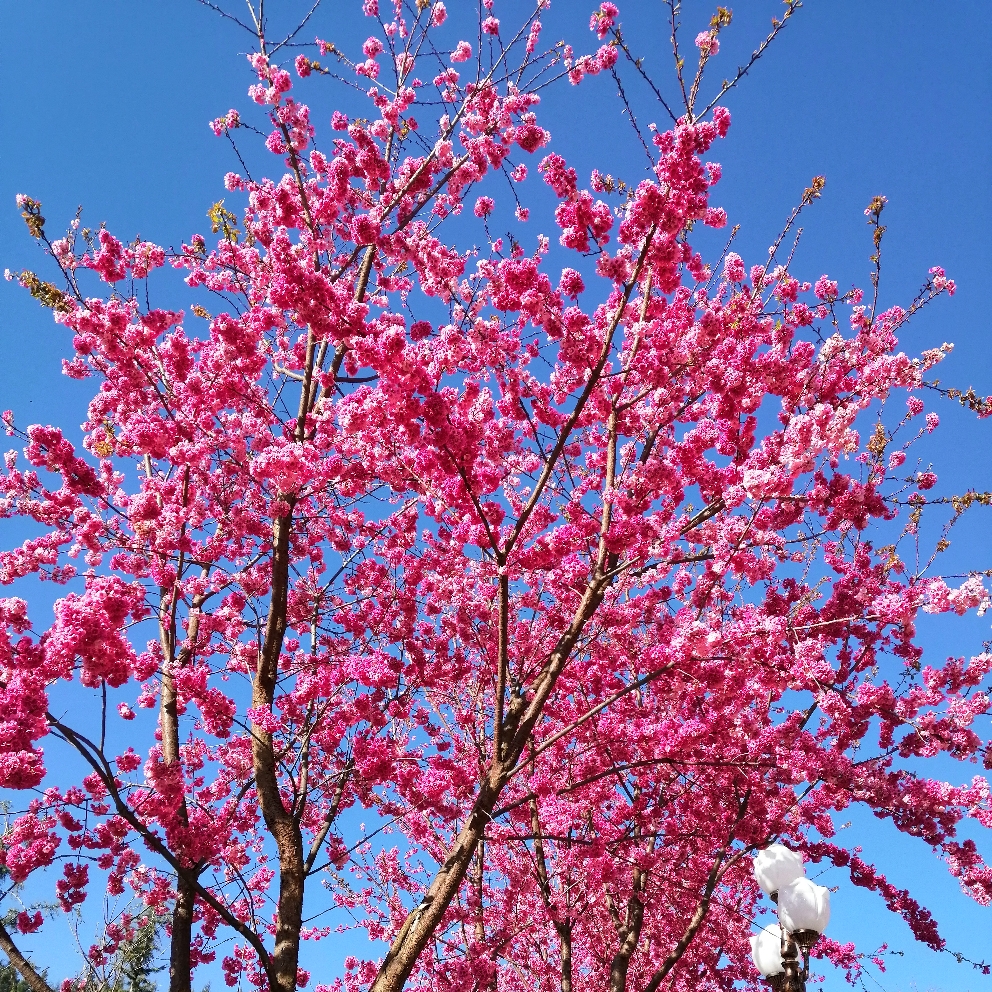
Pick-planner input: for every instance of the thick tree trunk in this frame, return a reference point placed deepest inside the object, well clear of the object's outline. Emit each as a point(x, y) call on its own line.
point(28, 972)
point(629, 933)
point(182, 912)
point(279, 821)
point(289, 919)
point(422, 922)
point(565, 938)
point(182, 935)
point(621, 960)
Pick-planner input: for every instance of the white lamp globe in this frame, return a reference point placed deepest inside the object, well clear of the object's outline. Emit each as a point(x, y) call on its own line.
point(766, 951)
point(804, 906)
point(776, 866)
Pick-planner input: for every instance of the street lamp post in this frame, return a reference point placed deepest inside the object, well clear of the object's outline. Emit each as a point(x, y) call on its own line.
point(803, 913)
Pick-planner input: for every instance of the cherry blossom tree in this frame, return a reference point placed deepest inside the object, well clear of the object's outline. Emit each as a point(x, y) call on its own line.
point(582, 565)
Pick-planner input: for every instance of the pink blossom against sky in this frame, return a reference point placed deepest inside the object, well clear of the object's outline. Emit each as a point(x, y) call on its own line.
point(111, 112)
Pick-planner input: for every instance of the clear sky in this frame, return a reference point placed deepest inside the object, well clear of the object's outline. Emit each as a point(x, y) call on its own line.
point(107, 106)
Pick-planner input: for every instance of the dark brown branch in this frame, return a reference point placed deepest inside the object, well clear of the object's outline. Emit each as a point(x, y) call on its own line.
point(91, 755)
point(702, 907)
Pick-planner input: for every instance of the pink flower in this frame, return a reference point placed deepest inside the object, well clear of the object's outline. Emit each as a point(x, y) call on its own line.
point(533, 36)
point(602, 20)
point(825, 289)
point(372, 47)
point(933, 422)
point(462, 52)
point(125, 711)
point(439, 15)
point(484, 206)
point(365, 230)
point(303, 67)
point(733, 268)
point(940, 280)
point(707, 43)
point(715, 217)
point(264, 720)
point(71, 889)
point(915, 406)
point(27, 923)
point(109, 261)
point(369, 68)
point(926, 480)
point(490, 25)
point(571, 283)
point(128, 762)
point(275, 143)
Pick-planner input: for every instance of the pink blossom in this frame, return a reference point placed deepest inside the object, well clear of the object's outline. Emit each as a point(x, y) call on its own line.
point(29, 922)
point(571, 283)
point(533, 35)
point(109, 261)
point(129, 761)
point(825, 289)
point(264, 720)
point(369, 68)
point(733, 268)
point(715, 217)
point(365, 459)
point(707, 43)
point(602, 21)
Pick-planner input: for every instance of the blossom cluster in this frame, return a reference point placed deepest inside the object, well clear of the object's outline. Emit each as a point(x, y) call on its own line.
point(554, 556)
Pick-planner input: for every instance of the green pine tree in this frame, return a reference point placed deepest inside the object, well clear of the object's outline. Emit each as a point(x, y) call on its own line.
point(132, 967)
point(10, 979)
point(137, 960)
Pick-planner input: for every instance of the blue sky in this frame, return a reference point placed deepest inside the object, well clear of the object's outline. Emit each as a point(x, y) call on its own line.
point(107, 106)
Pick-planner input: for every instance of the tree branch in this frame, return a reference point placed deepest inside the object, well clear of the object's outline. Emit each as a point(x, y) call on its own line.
point(28, 972)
